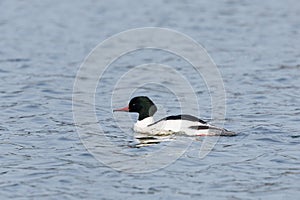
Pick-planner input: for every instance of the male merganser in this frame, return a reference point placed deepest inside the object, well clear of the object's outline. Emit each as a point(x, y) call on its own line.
point(185, 124)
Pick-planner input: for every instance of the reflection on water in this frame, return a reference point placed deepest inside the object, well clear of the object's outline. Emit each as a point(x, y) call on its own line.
point(142, 140)
point(256, 47)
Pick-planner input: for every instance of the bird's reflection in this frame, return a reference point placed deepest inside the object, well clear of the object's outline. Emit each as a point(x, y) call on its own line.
point(142, 140)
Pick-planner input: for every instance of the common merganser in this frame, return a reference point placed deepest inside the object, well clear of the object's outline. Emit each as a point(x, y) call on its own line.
point(185, 124)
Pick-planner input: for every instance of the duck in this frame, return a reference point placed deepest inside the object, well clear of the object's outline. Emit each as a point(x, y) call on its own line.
point(175, 124)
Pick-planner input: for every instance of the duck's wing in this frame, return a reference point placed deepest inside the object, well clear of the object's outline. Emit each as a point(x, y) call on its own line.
point(180, 117)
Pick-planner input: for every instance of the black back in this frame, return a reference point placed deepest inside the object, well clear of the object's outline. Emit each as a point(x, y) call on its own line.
point(182, 117)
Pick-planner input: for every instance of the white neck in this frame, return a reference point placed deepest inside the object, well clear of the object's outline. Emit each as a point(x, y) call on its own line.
point(140, 124)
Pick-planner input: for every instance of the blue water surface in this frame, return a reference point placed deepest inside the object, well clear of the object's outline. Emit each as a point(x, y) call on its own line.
point(256, 46)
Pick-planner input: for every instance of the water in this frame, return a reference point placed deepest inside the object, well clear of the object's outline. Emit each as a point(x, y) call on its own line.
point(256, 47)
